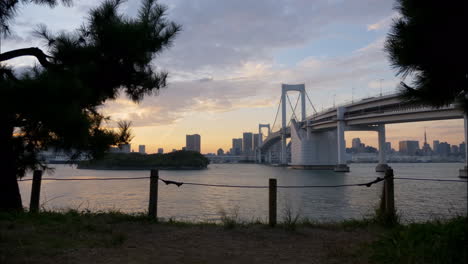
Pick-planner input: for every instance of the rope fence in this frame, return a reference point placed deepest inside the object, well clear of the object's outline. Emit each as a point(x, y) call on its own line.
point(387, 202)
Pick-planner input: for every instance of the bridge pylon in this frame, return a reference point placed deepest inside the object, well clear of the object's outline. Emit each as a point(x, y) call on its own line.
point(285, 88)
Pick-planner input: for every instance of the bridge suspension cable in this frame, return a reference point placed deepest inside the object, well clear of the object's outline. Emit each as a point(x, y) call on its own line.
point(293, 109)
point(313, 107)
point(276, 116)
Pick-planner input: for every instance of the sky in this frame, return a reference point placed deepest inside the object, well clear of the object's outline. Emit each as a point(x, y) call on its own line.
point(227, 65)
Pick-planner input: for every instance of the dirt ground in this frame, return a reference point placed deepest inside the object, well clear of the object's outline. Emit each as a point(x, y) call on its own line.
point(160, 243)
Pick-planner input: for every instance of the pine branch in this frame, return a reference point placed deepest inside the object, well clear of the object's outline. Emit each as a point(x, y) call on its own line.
point(36, 52)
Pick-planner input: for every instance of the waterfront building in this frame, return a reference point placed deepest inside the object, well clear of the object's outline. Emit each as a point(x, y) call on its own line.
point(236, 146)
point(142, 149)
point(247, 143)
point(192, 142)
point(409, 147)
point(160, 151)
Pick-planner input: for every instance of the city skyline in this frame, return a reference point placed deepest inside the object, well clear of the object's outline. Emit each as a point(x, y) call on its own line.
point(338, 56)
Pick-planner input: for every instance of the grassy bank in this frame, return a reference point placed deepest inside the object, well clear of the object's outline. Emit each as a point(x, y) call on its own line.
point(113, 237)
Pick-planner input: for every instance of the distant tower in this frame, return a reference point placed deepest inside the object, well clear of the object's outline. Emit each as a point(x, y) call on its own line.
point(426, 150)
point(425, 137)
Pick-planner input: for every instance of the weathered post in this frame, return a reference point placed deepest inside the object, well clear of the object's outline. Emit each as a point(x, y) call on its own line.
point(389, 193)
point(272, 202)
point(35, 191)
point(153, 195)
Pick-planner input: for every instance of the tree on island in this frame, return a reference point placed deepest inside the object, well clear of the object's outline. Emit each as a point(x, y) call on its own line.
point(54, 104)
point(428, 43)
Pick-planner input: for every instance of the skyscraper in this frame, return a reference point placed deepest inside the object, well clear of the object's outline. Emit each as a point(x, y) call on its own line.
point(236, 146)
point(247, 143)
point(160, 151)
point(192, 142)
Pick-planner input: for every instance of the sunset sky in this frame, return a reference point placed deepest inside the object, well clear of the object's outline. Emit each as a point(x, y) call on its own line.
point(227, 65)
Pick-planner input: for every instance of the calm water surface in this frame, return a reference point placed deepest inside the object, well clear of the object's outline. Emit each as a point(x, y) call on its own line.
point(415, 200)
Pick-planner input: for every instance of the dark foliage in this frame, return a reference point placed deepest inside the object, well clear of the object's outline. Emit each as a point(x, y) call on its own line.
point(173, 160)
point(427, 44)
point(55, 103)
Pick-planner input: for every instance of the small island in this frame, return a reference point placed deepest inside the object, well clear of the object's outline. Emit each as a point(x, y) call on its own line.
point(177, 160)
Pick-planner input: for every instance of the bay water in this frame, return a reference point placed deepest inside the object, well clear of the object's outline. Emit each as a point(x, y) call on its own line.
point(414, 200)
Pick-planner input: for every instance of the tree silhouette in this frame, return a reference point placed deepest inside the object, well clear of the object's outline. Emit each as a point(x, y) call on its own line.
point(54, 104)
point(427, 43)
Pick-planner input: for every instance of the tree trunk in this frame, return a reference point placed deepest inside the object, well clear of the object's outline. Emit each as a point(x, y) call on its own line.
point(10, 196)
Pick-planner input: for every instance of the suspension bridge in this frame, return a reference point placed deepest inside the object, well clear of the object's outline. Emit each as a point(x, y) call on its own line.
point(317, 141)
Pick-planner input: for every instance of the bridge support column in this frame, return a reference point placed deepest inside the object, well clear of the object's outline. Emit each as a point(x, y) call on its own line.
point(464, 171)
point(382, 166)
point(341, 166)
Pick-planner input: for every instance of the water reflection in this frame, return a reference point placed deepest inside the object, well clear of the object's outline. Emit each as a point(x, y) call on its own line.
point(414, 200)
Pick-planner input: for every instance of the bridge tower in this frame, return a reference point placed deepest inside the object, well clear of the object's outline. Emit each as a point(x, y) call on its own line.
point(258, 151)
point(285, 88)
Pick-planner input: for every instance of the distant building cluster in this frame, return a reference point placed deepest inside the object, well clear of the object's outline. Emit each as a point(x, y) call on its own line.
point(409, 150)
point(245, 146)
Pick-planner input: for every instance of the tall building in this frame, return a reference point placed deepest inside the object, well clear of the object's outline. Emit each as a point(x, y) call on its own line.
point(247, 143)
point(435, 146)
point(160, 151)
point(142, 149)
point(192, 142)
point(408, 147)
point(236, 146)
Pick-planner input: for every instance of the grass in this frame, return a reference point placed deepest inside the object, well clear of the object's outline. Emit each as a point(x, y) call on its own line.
point(53, 233)
point(50, 233)
point(440, 241)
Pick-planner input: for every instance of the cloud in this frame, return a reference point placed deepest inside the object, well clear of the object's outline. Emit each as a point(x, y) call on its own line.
point(384, 23)
point(253, 85)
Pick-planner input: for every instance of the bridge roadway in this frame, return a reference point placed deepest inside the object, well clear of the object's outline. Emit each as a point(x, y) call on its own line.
point(369, 114)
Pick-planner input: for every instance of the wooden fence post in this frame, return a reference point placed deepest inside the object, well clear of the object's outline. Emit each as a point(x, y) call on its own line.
point(35, 191)
point(389, 193)
point(153, 195)
point(272, 202)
